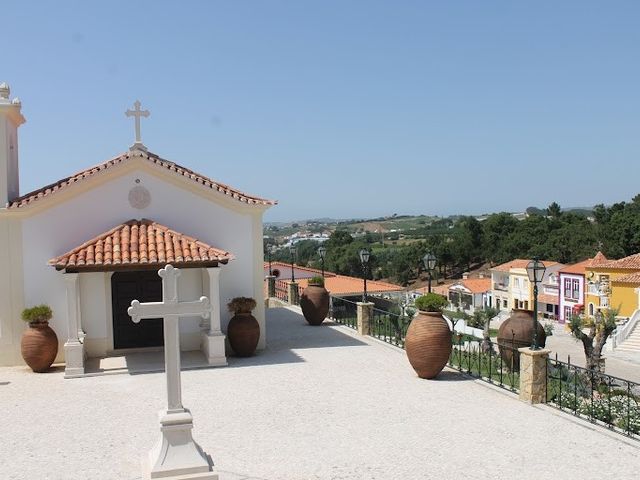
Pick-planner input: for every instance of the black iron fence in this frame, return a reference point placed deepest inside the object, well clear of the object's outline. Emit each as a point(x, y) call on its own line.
point(498, 364)
point(344, 311)
point(597, 397)
point(389, 327)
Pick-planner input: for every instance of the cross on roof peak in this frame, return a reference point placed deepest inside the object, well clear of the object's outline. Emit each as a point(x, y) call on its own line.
point(137, 113)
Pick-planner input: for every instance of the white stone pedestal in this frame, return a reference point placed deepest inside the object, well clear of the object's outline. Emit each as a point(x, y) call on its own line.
point(73, 358)
point(213, 349)
point(177, 456)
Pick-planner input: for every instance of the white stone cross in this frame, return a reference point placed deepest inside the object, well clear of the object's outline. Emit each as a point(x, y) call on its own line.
point(170, 310)
point(176, 455)
point(137, 113)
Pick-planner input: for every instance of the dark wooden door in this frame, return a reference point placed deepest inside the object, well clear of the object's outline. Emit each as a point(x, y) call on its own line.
point(142, 286)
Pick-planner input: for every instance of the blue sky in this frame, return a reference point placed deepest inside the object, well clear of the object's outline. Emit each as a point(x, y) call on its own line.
point(340, 109)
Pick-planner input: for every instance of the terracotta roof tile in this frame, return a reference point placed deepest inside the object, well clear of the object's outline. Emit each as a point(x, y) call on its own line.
point(632, 262)
point(152, 158)
point(577, 268)
point(475, 285)
point(549, 299)
point(344, 285)
point(633, 278)
point(139, 242)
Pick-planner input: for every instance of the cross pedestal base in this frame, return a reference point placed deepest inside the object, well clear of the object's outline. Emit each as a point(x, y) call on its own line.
point(177, 456)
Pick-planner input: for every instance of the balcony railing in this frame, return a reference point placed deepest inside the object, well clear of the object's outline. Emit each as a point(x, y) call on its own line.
point(501, 286)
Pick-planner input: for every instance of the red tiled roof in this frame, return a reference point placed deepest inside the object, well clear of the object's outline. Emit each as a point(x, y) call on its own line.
point(577, 268)
point(477, 285)
point(633, 278)
point(632, 262)
point(549, 299)
point(344, 285)
point(519, 263)
point(139, 243)
point(598, 260)
point(52, 189)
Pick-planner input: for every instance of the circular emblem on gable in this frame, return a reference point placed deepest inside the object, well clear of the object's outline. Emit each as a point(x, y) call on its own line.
point(139, 197)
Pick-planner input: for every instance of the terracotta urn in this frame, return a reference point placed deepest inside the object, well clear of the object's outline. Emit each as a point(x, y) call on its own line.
point(243, 333)
point(39, 346)
point(428, 343)
point(314, 302)
point(517, 332)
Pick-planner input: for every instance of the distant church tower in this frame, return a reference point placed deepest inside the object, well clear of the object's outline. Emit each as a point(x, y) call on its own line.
point(10, 119)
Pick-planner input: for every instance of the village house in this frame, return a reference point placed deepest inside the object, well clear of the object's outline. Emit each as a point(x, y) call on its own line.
point(613, 284)
point(511, 288)
point(90, 243)
point(470, 294)
point(572, 290)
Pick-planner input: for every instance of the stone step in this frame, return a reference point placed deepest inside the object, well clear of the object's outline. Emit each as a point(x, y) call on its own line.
point(628, 348)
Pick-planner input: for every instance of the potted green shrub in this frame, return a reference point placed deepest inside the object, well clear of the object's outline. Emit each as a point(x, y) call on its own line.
point(314, 301)
point(39, 343)
point(428, 340)
point(243, 330)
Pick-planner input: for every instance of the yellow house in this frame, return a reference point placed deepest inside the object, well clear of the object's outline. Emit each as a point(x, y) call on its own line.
point(613, 284)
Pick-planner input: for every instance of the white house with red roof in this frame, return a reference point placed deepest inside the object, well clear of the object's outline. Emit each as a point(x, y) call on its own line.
point(91, 242)
point(572, 289)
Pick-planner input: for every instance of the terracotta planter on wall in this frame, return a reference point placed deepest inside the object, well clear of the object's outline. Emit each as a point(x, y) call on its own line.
point(314, 302)
point(39, 346)
point(517, 332)
point(428, 343)
point(243, 333)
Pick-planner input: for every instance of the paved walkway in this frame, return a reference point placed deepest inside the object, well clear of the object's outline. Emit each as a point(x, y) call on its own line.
point(319, 403)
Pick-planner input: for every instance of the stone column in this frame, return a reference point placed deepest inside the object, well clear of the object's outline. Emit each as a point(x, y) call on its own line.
point(365, 313)
point(73, 347)
point(533, 375)
point(293, 294)
point(213, 340)
point(271, 286)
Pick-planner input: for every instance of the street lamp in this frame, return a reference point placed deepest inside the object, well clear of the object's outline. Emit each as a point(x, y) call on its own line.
point(322, 252)
point(535, 272)
point(429, 261)
point(292, 250)
point(364, 260)
point(269, 252)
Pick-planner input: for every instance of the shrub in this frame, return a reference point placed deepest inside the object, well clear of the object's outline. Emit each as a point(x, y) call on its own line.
point(431, 302)
point(317, 280)
point(241, 305)
point(37, 314)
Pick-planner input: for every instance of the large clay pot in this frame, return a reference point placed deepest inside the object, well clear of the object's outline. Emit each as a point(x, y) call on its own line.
point(39, 346)
point(428, 343)
point(517, 332)
point(243, 333)
point(314, 302)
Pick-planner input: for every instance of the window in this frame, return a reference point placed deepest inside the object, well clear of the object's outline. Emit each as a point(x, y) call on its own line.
point(567, 288)
point(591, 309)
point(576, 289)
point(567, 313)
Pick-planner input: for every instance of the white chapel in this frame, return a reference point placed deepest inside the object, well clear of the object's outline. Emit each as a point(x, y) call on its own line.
point(90, 243)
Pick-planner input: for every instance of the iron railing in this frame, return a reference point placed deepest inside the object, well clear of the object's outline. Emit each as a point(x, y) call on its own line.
point(343, 311)
point(597, 397)
point(498, 364)
point(389, 327)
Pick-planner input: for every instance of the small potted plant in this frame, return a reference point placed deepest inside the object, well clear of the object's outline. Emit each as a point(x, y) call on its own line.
point(39, 344)
point(243, 330)
point(314, 301)
point(428, 340)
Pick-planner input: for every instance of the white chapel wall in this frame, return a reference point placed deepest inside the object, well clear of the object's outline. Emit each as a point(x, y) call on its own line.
point(59, 229)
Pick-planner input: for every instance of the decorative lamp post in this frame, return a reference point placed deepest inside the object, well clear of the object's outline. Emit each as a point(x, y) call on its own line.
point(269, 252)
point(429, 261)
point(535, 272)
point(364, 260)
point(292, 250)
point(322, 253)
